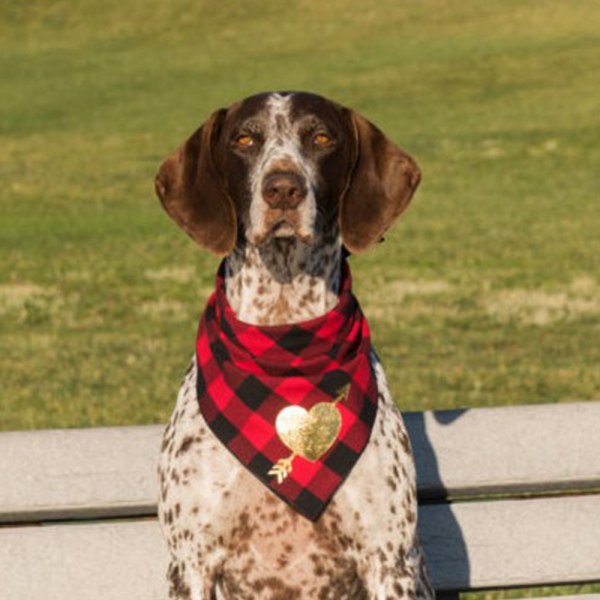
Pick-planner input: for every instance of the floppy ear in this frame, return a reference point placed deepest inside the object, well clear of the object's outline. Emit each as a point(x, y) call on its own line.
point(381, 186)
point(189, 187)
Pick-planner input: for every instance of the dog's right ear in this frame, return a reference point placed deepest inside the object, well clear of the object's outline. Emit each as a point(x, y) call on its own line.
point(189, 186)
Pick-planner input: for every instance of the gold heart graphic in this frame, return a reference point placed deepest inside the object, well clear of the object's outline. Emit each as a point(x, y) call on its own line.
point(309, 433)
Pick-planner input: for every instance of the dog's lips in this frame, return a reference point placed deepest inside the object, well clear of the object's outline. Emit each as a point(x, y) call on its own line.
point(283, 229)
point(283, 225)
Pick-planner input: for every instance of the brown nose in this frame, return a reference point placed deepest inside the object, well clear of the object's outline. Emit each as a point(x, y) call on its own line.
point(283, 190)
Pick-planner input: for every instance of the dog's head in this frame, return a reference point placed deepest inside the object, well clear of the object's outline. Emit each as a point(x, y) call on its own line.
point(285, 165)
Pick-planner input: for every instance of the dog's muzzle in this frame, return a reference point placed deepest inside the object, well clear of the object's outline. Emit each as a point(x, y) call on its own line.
point(287, 205)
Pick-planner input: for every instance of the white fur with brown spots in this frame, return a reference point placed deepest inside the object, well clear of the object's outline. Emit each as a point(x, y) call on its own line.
point(229, 536)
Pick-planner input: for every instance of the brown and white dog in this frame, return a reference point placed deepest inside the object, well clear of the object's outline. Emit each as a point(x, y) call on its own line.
point(278, 183)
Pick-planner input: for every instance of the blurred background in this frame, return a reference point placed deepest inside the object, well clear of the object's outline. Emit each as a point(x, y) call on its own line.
point(488, 290)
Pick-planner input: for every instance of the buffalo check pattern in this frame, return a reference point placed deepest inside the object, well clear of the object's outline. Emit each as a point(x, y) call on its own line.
point(247, 374)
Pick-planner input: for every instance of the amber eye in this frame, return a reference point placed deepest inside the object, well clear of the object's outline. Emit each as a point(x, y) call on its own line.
point(322, 139)
point(244, 140)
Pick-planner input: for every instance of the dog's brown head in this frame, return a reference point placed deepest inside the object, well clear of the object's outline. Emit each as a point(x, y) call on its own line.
point(285, 164)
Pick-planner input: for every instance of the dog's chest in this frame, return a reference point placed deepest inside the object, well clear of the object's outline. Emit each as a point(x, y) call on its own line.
point(212, 507)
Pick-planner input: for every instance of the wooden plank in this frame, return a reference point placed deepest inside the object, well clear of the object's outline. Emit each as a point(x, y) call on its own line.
point(507, 543)
point(115, 561)
point(111, 471)
point(56, 474)
point(507, 450)
point(468, 545)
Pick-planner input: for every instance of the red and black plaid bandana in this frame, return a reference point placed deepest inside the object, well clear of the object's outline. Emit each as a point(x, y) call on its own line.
point(295, 404)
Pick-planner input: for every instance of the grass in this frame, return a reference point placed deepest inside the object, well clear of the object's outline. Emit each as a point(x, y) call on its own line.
point(486, 293)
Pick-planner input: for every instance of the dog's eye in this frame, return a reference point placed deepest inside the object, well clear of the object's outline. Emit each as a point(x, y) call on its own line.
point(244, 140)
point(322, 139)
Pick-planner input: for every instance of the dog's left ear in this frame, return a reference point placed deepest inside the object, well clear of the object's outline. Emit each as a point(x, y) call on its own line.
point(380, 188)
point(189, 186)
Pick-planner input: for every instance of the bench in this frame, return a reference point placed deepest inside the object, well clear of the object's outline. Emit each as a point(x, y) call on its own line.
point(509, 497)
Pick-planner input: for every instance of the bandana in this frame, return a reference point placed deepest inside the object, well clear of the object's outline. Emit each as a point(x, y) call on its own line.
point(295, 404)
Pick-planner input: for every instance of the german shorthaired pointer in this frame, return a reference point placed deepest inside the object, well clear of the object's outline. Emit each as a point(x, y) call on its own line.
point(279, 184)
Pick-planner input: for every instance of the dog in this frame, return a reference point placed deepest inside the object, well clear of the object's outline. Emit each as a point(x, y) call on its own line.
point(283, 185)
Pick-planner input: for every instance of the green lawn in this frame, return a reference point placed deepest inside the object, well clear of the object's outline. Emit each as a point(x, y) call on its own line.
point(488, 291)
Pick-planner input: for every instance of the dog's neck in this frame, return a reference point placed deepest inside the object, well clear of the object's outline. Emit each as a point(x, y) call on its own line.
point(283, 280)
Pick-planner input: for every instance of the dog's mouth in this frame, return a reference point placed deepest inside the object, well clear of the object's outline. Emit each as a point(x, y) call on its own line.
point(285, 224)
point(283, 229)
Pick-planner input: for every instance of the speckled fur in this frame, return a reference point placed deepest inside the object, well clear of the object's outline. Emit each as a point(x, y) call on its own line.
point(284, 281)
point(230, 538)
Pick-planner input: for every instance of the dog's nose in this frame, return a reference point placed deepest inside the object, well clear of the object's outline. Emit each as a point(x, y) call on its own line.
point(283, 190)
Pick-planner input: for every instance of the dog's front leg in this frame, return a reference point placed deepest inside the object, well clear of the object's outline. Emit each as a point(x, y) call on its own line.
point(185, 583)
point(406, 579)
point(396, 585)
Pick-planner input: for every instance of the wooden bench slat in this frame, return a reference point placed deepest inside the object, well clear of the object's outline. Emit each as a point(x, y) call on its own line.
point(112, 561)
point(507, 449)
point(549, 541)
point(512, 542)
point(112, 471)
point(79, 473)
